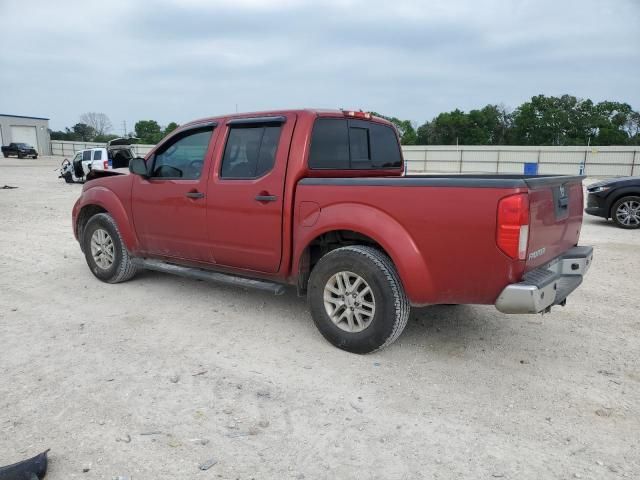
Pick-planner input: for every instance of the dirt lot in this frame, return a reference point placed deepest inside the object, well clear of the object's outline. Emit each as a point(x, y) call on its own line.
point(150, 378)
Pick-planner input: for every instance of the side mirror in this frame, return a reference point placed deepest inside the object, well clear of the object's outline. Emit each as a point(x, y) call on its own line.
point(138, 166)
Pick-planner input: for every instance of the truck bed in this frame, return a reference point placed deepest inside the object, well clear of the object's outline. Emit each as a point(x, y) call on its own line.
point(451, 223)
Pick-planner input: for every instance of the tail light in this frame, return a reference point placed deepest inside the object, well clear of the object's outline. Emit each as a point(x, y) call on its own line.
point(354, 114)
point(105, 164)
point(512, 234)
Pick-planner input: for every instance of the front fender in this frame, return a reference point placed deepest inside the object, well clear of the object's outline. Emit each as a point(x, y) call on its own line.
point(379, 226)
point(109, 201)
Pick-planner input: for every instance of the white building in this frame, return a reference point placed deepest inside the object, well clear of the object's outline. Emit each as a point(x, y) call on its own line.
point(22, 129)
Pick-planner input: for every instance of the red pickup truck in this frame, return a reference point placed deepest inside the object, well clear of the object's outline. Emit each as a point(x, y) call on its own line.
point(317, 199)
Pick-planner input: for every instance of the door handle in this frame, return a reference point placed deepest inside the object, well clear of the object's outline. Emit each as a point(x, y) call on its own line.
point(266, 198)
point(195, 194)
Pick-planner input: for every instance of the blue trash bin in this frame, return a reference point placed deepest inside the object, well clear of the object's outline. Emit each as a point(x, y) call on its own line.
point(531, 168)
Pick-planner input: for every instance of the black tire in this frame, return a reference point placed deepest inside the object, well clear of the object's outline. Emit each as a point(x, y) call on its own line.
point(6, 155)
point(634, 219)
point(123, 268)
point(20, 155)
point(68, 177)
point(35, 157)
point(391, 305)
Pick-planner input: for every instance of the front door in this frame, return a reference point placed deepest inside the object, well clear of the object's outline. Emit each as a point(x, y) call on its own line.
point(169, 207)
point(245, 195)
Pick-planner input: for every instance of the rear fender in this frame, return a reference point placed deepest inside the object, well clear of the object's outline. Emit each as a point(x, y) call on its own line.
point(108, 200)
point(380, 227)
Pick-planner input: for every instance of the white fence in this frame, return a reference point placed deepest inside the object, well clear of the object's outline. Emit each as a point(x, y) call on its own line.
point(68, 149)
point(591, 161)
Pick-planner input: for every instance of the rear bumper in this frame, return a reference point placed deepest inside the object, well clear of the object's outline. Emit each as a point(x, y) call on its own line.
point(548, 285)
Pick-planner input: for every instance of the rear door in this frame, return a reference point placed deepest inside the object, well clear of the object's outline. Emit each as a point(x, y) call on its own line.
point(245, 195)
point(86, 161)
point(555, 217)
point(97, 159)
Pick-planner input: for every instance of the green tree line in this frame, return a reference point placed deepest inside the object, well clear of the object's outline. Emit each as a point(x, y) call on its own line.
point(543, 120)
point(564, 120)
point(145, 131)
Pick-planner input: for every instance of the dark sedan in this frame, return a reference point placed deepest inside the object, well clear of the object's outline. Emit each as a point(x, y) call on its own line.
point(616, 198)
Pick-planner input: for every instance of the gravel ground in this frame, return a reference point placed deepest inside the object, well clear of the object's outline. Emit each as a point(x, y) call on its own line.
point(151, 378)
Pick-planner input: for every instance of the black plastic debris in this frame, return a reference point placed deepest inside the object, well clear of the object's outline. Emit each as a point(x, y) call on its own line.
point(8, 187)
point(33, 468)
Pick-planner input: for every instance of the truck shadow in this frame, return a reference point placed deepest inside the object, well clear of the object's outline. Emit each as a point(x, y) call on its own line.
point(443, 328)
point(452, 329)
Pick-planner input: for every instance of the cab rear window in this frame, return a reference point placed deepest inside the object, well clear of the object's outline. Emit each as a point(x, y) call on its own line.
point(343, 144)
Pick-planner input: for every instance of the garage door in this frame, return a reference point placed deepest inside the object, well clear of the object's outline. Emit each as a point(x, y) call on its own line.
point(21, 134)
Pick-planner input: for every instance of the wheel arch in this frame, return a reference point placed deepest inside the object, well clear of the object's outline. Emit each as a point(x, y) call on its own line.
point(101, 200)
point(356, 224)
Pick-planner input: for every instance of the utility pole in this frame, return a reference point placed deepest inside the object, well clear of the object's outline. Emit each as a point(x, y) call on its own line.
point(124, 129)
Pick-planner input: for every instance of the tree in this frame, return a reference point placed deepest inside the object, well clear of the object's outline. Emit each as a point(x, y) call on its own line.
point(148, 131)
point(170, 128)
point(83, 132)
point(98, 121)
point(405, 129)
point(58, 135)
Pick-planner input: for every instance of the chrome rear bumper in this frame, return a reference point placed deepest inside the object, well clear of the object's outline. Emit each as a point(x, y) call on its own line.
point(547, 285)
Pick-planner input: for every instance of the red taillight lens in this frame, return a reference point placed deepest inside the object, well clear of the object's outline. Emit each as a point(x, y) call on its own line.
point(105, 164)
point(512, 234)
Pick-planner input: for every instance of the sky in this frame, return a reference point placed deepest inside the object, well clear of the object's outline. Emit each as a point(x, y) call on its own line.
point(178, 60)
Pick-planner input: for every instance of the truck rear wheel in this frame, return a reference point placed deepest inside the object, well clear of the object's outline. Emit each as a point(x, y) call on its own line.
point(357, 300)
point(105, 252)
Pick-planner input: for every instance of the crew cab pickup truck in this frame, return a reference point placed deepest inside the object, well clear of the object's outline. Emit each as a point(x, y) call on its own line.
point(20, 150)
point(317, 199)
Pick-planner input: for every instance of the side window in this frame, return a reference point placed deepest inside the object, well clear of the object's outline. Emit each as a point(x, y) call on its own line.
point(343, 144)
point(250, 151)
point(97, 154)
point(329, 144)
point(183, 157)
point(384, 147)
point(86, 155)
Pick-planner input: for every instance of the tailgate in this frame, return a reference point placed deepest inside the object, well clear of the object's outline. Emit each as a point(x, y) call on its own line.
point(555, 209)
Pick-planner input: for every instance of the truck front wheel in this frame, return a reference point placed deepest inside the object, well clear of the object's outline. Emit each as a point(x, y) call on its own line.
point(357, 300)
point(105, 252)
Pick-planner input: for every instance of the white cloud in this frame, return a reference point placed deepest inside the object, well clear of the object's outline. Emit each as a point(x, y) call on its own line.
point(176, 60)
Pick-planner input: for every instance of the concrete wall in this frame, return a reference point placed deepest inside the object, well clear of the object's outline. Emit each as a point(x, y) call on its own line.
point(42, 131)
point(67, 148)
point(591, 161)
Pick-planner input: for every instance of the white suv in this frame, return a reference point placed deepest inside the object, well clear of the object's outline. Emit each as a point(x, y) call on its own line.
point(117, 154)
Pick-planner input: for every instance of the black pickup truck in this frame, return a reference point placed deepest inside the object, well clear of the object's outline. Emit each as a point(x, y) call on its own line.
point(21, 150)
